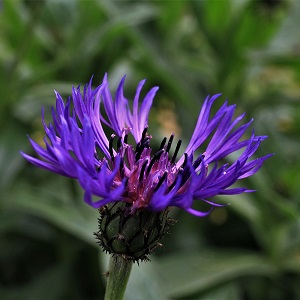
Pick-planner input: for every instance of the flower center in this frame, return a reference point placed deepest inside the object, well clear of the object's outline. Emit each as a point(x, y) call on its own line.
point(146, 173)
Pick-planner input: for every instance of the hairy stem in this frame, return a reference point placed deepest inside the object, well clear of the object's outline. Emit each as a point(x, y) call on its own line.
point(118, 274)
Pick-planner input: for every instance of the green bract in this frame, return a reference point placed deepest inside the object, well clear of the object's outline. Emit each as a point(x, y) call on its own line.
point(134, 236)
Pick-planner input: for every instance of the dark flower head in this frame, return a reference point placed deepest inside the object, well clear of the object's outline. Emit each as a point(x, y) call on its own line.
point(111, 169)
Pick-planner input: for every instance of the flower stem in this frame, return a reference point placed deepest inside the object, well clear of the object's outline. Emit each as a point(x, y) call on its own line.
point(118, 274)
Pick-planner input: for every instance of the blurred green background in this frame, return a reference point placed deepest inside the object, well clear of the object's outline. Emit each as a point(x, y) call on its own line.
point(248, 50)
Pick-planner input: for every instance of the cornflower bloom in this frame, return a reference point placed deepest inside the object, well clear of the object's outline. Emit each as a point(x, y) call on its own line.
point(132, 185)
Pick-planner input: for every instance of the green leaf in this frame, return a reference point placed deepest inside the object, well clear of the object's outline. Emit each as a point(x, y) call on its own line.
point(11, 162)
point(39, 95)
point(189, 273)
point(227, 292)
point(79, 220)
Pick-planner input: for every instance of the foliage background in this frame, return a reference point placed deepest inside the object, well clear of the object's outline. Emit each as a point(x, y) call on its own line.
point(248, 50)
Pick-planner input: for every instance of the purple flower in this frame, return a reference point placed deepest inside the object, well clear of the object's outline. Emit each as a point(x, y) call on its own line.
point(124, 167)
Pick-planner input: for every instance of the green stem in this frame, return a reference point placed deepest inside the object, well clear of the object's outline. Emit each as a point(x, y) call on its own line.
point(118, 274)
